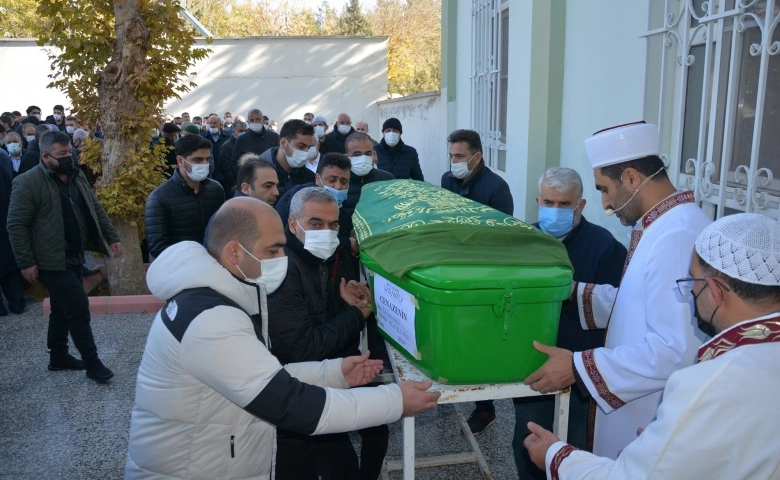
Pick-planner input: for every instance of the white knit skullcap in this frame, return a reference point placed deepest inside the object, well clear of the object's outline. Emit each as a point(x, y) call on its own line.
point(745, 247)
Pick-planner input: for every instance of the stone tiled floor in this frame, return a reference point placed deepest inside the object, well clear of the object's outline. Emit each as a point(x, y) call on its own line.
point(62, 425)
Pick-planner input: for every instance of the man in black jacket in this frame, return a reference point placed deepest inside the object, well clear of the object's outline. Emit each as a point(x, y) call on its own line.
point(168, 135)
point(597, 258)
point(471, 178)
point(257, 139)
point(217, 137)
point(57, 118)
point(396, 157)
point(360, 150)
point(180, 208)
point(310, 321)
point(334, 141)
point(229, 169)
point(289, 157)
point(32, 156)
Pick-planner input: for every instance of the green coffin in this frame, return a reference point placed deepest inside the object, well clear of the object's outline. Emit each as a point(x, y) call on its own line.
point(460, 289)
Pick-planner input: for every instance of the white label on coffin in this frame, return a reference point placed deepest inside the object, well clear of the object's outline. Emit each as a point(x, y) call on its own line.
point(395, 314)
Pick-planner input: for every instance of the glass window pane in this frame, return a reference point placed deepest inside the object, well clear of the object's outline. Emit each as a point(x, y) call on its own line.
point(746, 103)
point(693, 100)
point(504, 75)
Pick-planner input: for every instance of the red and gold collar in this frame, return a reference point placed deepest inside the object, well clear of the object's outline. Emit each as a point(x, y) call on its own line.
point(763, 330)
point(665, 205)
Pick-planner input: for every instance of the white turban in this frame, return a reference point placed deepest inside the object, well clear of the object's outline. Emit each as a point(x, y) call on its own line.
point(622, 144)
point(744, 246)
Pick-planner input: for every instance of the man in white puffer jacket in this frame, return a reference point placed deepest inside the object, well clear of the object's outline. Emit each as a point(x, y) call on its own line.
point(209, 394)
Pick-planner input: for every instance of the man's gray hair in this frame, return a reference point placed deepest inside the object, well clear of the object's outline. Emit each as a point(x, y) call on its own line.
point(43, 128)
point(12, 134)
point(80, 134)
point(309, 194)
point(254, 110)
point(562, 180)
point(240, 124)
point(49, 139)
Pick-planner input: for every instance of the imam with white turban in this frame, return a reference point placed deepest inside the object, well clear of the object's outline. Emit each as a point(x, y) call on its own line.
point(718, 419)
point(651, 332)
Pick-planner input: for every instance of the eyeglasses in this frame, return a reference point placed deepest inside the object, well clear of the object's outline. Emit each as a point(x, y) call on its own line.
point(685, 285)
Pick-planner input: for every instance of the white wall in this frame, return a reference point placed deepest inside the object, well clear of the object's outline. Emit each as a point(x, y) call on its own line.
point(288, 76)
point(423, 118)
point(283, 76)
point(604, 82)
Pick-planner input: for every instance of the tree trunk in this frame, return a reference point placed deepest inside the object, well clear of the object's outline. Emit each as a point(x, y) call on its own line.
point(126, 275)
point(118, 105)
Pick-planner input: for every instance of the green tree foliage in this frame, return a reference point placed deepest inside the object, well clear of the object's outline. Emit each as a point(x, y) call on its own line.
point(353, 22)
point(18, 19)
point(118, 62)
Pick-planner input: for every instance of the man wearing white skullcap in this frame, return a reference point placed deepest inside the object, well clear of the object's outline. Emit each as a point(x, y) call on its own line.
point(718, 418)
point(651, 332)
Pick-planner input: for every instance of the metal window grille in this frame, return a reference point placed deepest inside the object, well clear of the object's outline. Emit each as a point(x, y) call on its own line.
point(719, 100)
point(489, 22)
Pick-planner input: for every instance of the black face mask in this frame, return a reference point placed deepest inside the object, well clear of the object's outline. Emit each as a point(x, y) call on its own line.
point(65, 165)
point(704, 325)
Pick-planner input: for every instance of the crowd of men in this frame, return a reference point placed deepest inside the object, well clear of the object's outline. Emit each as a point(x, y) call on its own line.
point(252, 248)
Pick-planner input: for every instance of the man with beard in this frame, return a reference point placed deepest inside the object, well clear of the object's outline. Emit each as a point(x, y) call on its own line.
point(651, 332)
point(707, 426)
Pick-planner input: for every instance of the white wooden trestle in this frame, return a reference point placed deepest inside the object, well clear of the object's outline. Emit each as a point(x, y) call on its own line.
point(405, 370)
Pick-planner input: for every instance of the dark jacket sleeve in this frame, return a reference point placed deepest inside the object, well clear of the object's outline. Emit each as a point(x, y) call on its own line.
point(238, 149)
point(296, 336)
point(157, 225)
point(228, 174)
point(104, 222)
point(21, 213)
point(29, 161)
point(416, 172)
point(502, 199)
point(610, 265)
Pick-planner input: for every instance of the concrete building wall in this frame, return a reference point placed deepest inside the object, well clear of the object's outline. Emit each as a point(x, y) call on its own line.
point(283, 76)
point(423, 118)
point(604, 85)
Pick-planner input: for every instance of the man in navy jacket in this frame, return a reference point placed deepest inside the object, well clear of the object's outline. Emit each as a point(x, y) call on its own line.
point(471, 178)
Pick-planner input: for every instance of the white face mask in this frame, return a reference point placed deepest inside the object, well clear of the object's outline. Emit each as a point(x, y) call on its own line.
point(37, 115)
point(362, 164)
point(272, 272)
point(199, 171)
point(227, 120)
point(14, 148)
point(70, 129)
point(320, 243)
point(313, 152)
point(392, 138)
point(319, 131)
point(255, 127)
point(461, 170)
point(57, 117)
point(30, 138)
point(307, 122)
point(155, 133)
point(344, 129)
point(214, 130)
point(298, 157)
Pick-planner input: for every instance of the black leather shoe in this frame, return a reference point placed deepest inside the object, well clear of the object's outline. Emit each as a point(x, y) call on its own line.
point(99, 372)
point(66, 362)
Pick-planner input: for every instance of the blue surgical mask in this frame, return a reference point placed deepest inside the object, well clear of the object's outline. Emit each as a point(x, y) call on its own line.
point(339, 195)
point(556, 221)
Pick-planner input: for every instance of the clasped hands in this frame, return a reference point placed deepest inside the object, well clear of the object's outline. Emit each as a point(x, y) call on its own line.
point(357, 294)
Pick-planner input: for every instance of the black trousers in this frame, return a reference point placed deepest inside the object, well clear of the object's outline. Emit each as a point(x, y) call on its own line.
point(540, 410)
point(11, 284)
point(331, 456)
point(69, 313)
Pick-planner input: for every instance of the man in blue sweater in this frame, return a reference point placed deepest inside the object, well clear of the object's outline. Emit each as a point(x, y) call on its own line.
point(471, 178)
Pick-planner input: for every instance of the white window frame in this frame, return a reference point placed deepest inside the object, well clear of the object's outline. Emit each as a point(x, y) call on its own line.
point(747, 187)
point(486, 52)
